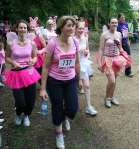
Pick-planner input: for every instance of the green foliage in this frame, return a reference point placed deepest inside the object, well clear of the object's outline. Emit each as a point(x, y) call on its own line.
point(94, 38)
point(124, 7)
point(136, 15)
point(98, 11)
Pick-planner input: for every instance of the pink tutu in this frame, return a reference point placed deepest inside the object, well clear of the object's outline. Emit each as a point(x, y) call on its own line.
point(40, 60)
point(17, 79)
point(114, 64)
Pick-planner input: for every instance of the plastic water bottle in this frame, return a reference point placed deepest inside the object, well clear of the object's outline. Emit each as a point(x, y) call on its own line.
point(44, 107)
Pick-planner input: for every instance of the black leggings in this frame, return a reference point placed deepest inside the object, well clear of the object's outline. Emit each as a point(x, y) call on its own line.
point(64, 99)
point(25, 99)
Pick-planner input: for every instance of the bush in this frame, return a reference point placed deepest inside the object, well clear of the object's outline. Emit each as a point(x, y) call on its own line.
point(94, 38)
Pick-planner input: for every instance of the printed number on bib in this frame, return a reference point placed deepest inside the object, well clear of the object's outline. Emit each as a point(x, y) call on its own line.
point(67, 61)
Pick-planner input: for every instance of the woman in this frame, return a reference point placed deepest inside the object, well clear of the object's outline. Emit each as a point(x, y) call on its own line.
point(123, 28)
point(49, 32)
point(111, 60)
point(22, 77)
point(58, 75)
point(85, 65)
point(39, 43)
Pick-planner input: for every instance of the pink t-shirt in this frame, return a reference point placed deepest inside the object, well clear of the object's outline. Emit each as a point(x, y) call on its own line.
point(63, 64)
point(49, 34)
point(21, 54)
point(38, 42)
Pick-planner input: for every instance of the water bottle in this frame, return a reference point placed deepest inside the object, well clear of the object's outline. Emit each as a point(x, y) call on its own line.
point(44, 107)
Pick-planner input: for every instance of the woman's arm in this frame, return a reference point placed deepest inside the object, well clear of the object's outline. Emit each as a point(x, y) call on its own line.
point(33, 58)
point(49, 52)
point(87, 52)
point(43, 41)
point(77, 64)
point(119, 42)
point(77, 61)
point(44, 77)
point(43, 45)
point(45, 36)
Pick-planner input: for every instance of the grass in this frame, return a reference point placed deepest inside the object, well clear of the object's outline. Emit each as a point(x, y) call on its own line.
point(31, 138)
point(41, 134)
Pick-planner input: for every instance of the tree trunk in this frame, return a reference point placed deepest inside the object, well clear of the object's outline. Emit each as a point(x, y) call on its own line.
point(96, 15)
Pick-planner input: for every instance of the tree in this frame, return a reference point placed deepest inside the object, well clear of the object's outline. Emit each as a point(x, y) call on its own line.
point(99, 11)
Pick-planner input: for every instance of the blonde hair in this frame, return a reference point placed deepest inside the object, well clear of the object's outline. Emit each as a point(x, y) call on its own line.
point(80, 24)
point(62, 21)
point(50, 21)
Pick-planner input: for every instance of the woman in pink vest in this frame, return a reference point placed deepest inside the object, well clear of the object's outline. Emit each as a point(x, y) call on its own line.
point(58, 76)
point(39, 43)
point(22, 76)
point(112, 60)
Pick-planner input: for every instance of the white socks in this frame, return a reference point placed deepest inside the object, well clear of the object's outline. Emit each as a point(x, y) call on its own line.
point(87, 97)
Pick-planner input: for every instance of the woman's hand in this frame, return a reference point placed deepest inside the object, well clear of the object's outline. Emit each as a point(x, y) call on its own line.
point(32, 61)
point(39, 52)
point(43, 94)
point(16, 65)
point(80, 84)
point(118, 43)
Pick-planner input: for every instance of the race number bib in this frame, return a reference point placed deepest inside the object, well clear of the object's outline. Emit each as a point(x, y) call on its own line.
point(67, 61)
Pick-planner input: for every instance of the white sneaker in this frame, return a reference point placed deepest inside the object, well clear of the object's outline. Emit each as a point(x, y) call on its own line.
point(108, 103)
point(67, 125)
point(60, 141)
point(91, 111)
point(1, 112)
point(115, 101)
point(130, 75)
point(26, 121)
point(1, 127)
point(1, 120)
point(18, 120)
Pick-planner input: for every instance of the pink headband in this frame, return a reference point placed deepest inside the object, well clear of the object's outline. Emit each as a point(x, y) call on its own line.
point(33, 22)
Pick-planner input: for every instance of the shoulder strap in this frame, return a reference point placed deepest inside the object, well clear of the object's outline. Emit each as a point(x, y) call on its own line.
point(75, 43)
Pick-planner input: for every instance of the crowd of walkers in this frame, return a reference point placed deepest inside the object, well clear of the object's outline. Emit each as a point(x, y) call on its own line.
point(57, 57)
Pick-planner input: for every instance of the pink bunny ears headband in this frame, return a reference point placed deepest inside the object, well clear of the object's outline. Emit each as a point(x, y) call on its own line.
point(33, 22)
